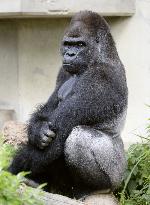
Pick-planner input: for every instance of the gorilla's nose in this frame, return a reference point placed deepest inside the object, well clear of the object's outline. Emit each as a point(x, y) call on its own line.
point(70, 54)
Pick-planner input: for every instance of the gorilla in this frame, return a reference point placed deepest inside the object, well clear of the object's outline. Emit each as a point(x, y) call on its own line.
point(74, 141)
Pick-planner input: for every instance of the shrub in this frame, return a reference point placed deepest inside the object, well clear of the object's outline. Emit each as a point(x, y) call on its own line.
point(135, 189)
point(12, 191)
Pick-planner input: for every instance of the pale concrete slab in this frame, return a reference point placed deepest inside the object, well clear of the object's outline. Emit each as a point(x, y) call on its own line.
point(64, 8)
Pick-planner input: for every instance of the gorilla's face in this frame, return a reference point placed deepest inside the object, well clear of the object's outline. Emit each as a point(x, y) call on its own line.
point(76, 49)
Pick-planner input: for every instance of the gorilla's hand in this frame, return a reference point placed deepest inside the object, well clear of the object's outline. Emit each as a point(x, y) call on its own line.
point(46, 135)
point(40, 134)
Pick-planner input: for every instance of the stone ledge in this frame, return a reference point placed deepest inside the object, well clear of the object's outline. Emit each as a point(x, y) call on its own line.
point(64, 8)
point(98, 199)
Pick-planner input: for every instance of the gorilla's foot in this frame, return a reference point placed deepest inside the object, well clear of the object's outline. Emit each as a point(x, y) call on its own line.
point(30, 182)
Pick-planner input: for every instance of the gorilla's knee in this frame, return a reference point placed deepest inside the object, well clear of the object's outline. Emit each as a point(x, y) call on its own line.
point(95, 158)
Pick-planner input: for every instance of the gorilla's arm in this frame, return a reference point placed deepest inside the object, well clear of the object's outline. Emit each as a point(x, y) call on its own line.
point(87, 107)
point(38, 122)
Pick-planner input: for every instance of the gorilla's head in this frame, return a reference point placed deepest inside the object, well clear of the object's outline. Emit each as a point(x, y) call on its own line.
point(86, 41)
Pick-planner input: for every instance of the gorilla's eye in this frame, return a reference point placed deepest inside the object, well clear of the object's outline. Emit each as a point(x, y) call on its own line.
point(80, 43)
point(68, 43)
point(74, 43)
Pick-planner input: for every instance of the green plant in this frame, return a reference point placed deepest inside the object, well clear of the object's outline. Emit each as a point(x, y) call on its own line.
point(12, 191)
point(135, 189)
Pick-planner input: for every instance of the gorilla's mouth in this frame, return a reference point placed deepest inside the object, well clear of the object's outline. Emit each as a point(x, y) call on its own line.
point(70, 68)
point(66, 64)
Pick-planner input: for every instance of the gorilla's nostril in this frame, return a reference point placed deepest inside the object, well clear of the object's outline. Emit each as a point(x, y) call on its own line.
point(70, 54)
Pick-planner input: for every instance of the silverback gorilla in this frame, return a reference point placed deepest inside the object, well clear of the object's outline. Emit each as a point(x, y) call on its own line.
point(74, 141)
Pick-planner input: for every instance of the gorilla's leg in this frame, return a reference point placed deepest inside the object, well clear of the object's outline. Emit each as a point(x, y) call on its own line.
point(22, 159)
point(28, 159)
point(97, 160)
point(55, 174)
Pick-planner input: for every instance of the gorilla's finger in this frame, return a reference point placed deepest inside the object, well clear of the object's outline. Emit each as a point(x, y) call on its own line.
point(43, 145)
point(49, 123)
point(49, 133)
point(45, 139)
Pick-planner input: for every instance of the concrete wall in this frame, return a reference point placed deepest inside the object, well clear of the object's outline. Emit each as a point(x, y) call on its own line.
point(8, 71)
point(30, 60)
point(132, 36)
point(39, 60)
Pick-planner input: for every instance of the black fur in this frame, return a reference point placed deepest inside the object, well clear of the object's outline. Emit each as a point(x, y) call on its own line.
point(87, 108)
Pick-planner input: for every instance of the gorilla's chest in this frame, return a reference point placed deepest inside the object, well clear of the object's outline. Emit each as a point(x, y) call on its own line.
point(66, 88)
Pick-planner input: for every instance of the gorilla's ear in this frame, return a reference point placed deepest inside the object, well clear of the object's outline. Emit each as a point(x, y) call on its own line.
point(97, 39)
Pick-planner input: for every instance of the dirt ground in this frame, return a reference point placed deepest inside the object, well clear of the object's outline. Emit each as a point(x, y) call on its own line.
point(14, 133)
